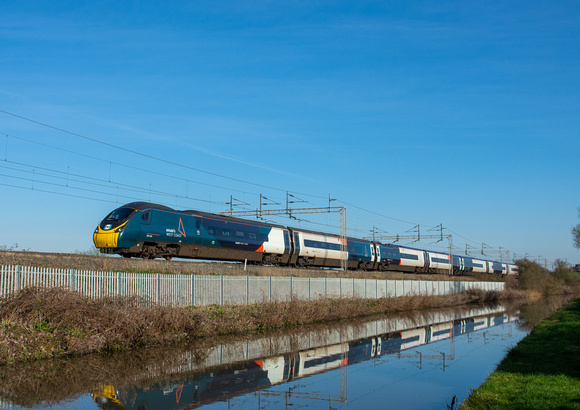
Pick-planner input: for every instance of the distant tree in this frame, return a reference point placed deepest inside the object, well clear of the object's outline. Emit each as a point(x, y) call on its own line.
point(576, 233)
point(14, 247)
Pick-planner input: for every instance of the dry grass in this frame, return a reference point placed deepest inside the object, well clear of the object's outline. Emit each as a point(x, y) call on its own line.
point(45, 322)
point(54, 322)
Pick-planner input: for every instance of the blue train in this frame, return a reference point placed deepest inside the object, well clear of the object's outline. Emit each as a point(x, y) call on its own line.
point(146, 230)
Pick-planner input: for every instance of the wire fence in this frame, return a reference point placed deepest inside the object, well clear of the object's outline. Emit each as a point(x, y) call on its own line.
point(185, 290)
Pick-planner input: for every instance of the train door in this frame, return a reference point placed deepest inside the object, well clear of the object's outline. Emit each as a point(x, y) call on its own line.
point(427, 261)
point(197, 237)
point(145, 225)
point(286, 258)
point(378, 252)
point(296, 243)
point(294, 247)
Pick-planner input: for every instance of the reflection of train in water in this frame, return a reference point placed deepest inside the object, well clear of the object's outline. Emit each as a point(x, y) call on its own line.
point(146, 230)
point(247, 377)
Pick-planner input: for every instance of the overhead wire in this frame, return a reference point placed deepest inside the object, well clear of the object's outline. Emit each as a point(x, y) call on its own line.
point(177, 164)
point(120, 164)
point(152, 157)
point(100, 182)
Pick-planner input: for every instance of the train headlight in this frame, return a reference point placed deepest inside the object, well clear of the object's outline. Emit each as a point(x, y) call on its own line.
point(120, 229)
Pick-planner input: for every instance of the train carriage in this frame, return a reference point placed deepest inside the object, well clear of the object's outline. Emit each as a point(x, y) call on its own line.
point(389, 257)
point(398, 258)
point(438, 262)
point(318, 249)
point(153, 231)
point(361, 254)
point(497, 268)
point(512, 269)
point(478, 265)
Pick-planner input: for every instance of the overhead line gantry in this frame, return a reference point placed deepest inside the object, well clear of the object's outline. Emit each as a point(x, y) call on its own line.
point(290, 212)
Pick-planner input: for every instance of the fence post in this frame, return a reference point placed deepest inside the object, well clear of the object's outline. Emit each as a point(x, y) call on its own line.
point(291, 287)
point(365, 288)
point(270, 289)
point(247, 289)
point(158, 288)
point(309, 289)
point(221, 289)
point(118, 283)
point(17, 284)
point(340, 287)
point(72, 279)
point(193, 290)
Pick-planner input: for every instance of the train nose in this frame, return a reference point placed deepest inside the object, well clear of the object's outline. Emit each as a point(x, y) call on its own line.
point(105, 239)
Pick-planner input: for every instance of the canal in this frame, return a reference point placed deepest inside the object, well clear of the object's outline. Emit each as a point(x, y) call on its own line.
point(423, 361)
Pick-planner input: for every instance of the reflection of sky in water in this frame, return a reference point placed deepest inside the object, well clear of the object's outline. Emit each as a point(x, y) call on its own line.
point(391, 380)
point(401, 383)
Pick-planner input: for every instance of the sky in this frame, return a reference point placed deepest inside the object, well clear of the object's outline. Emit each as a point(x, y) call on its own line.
point(412, 115)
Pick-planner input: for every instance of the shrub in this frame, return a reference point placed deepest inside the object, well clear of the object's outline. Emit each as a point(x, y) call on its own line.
point(533, 277)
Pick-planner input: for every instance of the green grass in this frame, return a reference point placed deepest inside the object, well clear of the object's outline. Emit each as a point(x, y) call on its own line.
point(541, 372)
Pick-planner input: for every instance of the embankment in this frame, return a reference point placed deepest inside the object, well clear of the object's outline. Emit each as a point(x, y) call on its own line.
point(40, 323)
point(541, 372)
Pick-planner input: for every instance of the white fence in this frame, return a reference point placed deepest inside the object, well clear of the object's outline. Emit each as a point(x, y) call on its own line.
point(169, 289)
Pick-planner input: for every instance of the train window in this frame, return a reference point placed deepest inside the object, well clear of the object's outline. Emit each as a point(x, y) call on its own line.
point(226, 232)
point(239, 234)
point(146, 216)
point(197, 224)
point(212, 230)
point(409, 256)
point(251, 235)
point(120, 214)
point(324, 245)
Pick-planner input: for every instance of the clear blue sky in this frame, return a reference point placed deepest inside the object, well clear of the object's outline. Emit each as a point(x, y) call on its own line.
point(465, 114)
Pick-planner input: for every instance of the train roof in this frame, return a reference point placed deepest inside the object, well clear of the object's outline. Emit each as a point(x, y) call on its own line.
point(142, 205)
point(145, 205)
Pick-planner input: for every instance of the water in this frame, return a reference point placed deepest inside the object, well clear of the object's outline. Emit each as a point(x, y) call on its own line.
point(412, 362)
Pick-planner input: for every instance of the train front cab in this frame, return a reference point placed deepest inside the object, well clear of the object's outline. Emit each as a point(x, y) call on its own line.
point(108, 235)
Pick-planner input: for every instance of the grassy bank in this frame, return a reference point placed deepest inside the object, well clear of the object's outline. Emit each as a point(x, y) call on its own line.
point(39, 323)
point(541, 372)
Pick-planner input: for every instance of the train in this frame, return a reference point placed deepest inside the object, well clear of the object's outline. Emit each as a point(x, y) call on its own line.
point(147, 230)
